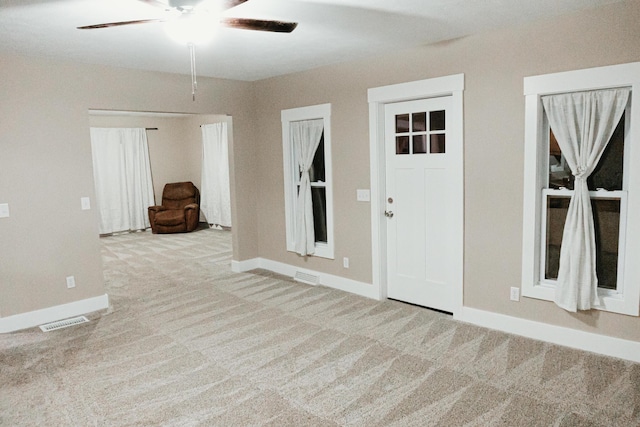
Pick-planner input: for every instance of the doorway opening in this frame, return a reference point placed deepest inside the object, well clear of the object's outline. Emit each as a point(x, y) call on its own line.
point(175, 146)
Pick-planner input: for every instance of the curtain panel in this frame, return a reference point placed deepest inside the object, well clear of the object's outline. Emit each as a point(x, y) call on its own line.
point(122, 177)
point(583, 123)
point(215, 199)
point(306, 136)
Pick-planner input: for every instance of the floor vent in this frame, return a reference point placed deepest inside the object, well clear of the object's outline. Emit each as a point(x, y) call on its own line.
point(307, 278)
point(63, 323)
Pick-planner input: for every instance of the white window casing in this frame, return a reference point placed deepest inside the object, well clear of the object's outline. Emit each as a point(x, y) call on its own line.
point(323, 111)
point(626, 298)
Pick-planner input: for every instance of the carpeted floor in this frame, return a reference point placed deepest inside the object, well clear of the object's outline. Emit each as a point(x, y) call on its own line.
point(187, 342)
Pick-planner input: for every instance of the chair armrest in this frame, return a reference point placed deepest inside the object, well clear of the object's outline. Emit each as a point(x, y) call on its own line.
point(157, 208)
point(191, 216)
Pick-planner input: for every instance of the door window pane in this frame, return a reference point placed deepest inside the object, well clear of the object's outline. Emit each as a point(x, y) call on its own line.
point(419, 144)
point(437, 120)
point(419, 122)
point(402, 123)
point(436, 144)
point(402, 145)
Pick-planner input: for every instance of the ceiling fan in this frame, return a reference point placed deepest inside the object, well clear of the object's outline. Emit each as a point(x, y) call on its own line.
point(196, 19)
point(191, 7)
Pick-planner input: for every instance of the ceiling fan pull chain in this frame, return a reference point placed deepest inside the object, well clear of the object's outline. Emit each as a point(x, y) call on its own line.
point(194, 83)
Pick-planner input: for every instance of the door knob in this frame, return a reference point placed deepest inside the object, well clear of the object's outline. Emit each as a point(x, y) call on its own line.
point(388, 214)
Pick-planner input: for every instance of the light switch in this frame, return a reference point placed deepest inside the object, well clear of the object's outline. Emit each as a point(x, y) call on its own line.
point(4, 210)
point(363, 195)
point(85, 202)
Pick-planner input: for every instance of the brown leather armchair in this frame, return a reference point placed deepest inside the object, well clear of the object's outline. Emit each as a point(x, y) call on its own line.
point(180, 210)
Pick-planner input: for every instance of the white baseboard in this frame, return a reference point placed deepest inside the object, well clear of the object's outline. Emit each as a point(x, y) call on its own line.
point(602, 344)
point(329, 280)
point(52, 314)
point(242, 266)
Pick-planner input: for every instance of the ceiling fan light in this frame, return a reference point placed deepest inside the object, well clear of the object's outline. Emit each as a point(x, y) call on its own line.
point(189, 28)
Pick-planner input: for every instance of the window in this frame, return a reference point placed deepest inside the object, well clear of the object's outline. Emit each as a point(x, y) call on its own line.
point(608, 203)
point(614, 191)
point(413, 127)
point(293, 123)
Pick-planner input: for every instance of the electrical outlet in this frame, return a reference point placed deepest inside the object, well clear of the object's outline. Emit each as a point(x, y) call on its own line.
point(515, 294)
point(85, 203)
point(71, 282)
point(345, 262)
point(4, 210)
point(363, 195)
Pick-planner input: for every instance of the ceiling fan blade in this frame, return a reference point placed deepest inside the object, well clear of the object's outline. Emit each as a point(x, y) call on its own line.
point(118, 24)
point(228, 4)
point(219, 5)
point(260, 25)
point(156, 3)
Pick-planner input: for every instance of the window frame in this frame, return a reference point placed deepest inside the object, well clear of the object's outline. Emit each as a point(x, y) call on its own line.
point(322, 111)
point(627, 297)
point(621, 196)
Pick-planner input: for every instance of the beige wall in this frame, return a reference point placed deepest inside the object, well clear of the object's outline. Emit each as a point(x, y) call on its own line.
point(45, 168)
point(494, 65)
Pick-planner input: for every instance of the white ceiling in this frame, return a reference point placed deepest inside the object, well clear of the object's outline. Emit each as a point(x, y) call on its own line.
point(329, 31)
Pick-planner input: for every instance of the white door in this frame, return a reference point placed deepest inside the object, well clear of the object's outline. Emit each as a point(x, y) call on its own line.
point(419, 202)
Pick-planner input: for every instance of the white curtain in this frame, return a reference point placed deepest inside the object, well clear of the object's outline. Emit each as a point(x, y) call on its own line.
point(583, 123)
point(122, 176)
point(306, 136)
point(215, 199)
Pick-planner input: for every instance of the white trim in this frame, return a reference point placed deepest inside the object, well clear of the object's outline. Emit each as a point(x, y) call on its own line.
point(581, 340)
point(246, 265)
point(623, 75)
point(52, 314)
point(322, 111)
point(377, 190)
point(430, 88)
point(585, 79)
point(329, 280)
point(306, 113)
point(440, 86)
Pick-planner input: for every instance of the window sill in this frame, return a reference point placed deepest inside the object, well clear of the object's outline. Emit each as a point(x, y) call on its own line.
point(321, 251)
point(611, 302)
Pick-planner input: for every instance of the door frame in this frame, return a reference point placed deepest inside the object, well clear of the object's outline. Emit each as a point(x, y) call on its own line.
point(453, 86)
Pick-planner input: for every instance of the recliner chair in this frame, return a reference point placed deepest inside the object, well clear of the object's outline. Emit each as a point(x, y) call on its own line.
point(180, 209)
